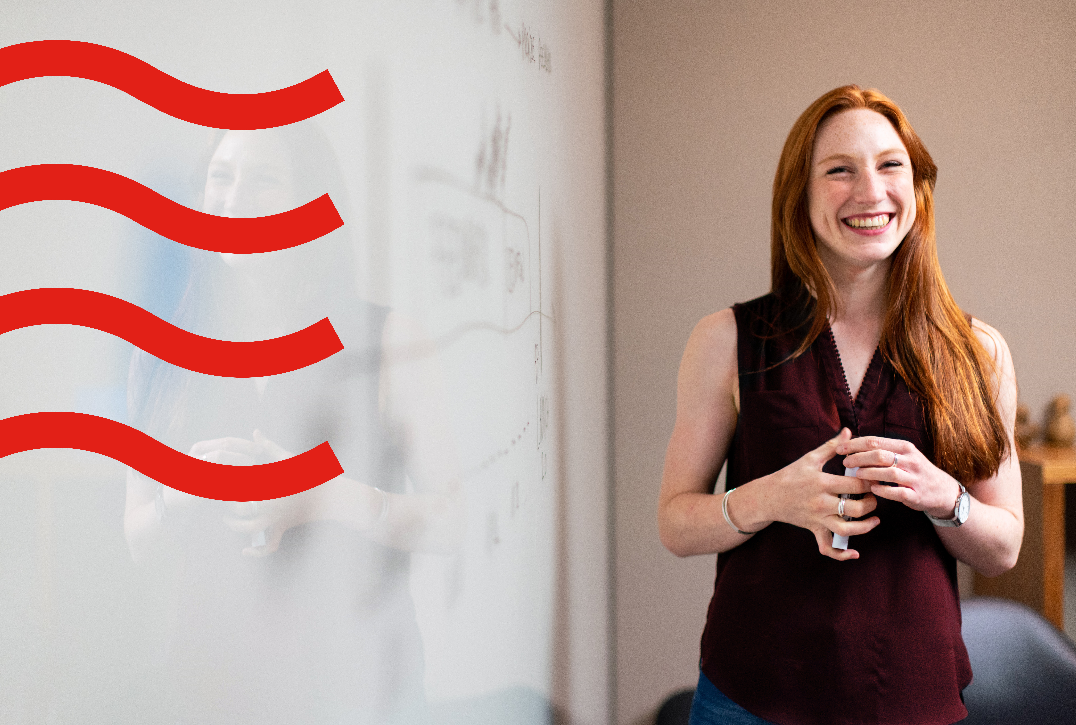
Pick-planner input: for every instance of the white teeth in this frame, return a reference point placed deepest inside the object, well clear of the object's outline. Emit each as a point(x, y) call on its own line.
point(874, 222)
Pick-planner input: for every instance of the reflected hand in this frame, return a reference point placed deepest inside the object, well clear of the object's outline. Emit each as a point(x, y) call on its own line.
point(914, 481)
point(265, 521)
point(228, 451)
point(804, 496)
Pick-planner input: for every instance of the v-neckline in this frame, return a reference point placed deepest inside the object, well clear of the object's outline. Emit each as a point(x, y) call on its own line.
point(865, 385)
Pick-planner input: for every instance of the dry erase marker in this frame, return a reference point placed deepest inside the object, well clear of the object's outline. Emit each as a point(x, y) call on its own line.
point(841, 542)
point(258, 537)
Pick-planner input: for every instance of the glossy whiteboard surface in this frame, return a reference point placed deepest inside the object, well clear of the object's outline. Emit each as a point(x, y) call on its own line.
point(427, 583)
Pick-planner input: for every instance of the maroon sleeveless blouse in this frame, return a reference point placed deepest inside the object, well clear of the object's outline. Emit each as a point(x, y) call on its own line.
point(796, 637)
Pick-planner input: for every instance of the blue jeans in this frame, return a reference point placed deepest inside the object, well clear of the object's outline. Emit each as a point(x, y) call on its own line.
point(711, 707)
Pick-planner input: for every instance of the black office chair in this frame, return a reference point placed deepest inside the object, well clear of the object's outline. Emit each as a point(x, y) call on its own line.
point(1024, 669)
point(676, 709)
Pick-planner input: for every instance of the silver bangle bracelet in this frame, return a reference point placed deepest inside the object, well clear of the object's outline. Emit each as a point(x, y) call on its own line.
point(384, 512)
point(725, 510)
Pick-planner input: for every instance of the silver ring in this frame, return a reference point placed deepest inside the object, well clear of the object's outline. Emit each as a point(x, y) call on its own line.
point(894, 463)
point(840, 507)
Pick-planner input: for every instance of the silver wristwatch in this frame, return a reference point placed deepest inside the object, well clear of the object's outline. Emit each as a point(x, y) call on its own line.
point(960, 511)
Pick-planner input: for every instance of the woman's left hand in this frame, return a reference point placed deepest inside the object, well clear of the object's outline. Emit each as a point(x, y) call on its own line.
point(903, 474)
point(266, 520)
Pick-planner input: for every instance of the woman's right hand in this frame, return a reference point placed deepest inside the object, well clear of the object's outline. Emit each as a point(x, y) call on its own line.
point(803, 495)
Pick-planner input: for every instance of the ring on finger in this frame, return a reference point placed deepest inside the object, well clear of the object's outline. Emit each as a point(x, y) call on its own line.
point(894, 463)
point(840, 507)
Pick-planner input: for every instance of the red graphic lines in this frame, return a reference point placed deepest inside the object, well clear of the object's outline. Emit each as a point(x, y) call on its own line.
point(186, 226)
point(65, 306)
point(181, 224)
point(167, 465)
point(168, 95)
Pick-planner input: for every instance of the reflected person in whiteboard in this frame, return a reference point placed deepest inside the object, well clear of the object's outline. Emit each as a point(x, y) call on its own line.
point(296, 609)
point(858, 361)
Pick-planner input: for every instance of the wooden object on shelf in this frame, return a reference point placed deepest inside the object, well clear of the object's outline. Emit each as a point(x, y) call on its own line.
point(1060, 427)
point(1027, 432)
point(1038, 579)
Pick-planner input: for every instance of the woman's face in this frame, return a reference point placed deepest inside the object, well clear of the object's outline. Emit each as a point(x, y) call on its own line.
point(860, 195)
point(250, 175)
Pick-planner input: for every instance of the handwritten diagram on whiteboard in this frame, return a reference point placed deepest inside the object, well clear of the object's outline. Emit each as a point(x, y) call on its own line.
point(472, 261)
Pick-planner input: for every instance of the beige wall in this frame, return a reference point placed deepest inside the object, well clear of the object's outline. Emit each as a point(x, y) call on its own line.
point(704, 94)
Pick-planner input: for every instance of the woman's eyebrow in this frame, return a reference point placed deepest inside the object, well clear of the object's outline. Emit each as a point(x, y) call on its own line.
point(835, 157)
point(850, 157)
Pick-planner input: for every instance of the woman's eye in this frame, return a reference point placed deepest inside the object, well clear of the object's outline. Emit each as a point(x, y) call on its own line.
point(892, 164)
point(838, 170)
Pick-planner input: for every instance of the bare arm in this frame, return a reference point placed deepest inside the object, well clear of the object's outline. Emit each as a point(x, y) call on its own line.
point(141, 524)
point(989, 541)
point(413, 392)
point(689, 515)
point(690, 520)
point(428, 518)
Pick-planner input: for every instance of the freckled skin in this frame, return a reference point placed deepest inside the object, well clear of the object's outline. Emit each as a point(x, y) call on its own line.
point(859, 168)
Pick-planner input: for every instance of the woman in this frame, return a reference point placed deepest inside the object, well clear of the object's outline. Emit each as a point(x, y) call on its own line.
point(296, 609)
point(857, 376)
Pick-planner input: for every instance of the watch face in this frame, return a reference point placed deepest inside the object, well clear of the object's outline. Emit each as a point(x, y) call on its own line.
point(963, 504)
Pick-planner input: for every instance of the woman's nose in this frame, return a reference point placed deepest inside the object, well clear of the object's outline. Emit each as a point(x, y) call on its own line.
point(222, 199)
point(870, 187)
point(235, 202)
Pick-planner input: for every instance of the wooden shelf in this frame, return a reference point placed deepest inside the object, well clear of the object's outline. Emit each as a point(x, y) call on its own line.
point(1038, 579)
point(1058, 464)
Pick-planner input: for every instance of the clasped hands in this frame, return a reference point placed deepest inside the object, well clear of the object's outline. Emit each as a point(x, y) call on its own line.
point(256, 518)
point(889, 468)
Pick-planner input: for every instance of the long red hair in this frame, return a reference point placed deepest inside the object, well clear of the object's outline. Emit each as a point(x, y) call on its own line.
point(925, 336)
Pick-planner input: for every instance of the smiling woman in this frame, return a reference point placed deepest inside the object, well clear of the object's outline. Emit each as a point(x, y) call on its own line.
point(859, 352)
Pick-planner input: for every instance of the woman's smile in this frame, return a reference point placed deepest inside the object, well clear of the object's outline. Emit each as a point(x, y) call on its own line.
point(860, 190)
point(869, 224)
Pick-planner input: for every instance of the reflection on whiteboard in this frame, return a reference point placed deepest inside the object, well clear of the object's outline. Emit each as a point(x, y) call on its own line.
point(449, 174)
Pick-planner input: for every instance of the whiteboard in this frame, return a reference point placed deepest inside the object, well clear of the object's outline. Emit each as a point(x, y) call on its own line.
point(474, 221)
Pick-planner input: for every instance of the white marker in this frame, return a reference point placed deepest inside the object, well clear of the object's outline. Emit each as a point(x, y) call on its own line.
point(841, 542)
point(258, 537)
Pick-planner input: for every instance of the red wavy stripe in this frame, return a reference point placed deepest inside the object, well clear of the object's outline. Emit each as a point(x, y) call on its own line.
point(66, 306)
point(161, 463)
point(169, 95)
point(70, 182)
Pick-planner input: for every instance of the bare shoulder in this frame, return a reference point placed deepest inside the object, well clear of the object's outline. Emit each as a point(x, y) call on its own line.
point(708, 369)
point(714, 337)
point(992, 340)
point(1005, 380)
